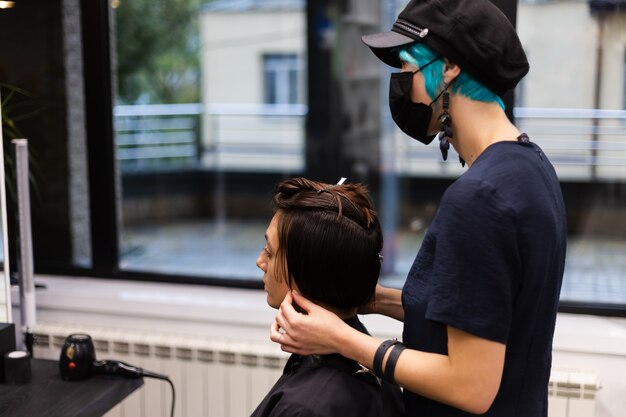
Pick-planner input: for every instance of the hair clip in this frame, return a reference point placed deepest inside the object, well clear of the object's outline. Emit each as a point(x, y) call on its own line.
point(380, 258)
point(340, 182)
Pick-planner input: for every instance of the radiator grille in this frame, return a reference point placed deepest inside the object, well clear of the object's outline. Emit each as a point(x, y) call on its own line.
point(228, 378)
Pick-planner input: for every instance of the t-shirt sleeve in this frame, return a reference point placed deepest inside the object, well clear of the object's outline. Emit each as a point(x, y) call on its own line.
point(476, 261)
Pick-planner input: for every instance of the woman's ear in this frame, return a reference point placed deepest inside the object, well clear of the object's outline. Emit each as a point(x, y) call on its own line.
point(450, 71)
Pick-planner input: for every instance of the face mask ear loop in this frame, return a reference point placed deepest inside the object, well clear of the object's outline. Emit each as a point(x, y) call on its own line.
point(441, 92)
point(427, 64)
point(424, 67)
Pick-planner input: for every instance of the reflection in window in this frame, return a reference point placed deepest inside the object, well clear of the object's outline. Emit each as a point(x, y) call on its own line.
point(575, 114)
point(195, 199)
point(197, 172)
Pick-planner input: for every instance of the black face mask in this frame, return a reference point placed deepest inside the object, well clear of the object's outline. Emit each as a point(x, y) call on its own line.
point(412, 118)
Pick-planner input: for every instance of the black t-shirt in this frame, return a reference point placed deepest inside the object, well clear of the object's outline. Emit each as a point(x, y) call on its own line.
point(329, 386)
point(491, 264)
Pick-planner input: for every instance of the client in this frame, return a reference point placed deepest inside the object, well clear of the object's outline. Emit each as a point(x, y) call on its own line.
point(324, 242)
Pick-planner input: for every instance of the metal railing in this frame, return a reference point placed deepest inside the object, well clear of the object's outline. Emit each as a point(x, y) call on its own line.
point(157, 136)
point(240, 137)
point(254, 138)
point(583, 144)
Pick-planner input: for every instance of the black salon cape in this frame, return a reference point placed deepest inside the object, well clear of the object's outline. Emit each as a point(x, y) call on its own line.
point(327, 386)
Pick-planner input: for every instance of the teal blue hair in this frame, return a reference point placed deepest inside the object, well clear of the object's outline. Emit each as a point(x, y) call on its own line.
point(419, 54)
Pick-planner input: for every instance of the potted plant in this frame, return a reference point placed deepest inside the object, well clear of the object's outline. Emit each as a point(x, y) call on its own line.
point(17, 105)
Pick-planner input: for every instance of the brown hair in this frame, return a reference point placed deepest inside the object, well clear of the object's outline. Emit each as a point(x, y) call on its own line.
point(329, 241)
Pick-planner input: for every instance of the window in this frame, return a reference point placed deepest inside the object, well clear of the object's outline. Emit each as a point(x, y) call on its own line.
point(282, 74)
point(168, 174)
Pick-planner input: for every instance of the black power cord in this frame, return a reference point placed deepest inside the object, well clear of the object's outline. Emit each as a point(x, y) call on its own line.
point(169, 381)
point(112, 367)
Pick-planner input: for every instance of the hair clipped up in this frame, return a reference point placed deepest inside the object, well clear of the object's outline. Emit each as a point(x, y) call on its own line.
point(302, 193)
point(330, 239)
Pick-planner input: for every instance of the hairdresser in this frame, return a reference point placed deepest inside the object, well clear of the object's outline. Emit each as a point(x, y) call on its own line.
point(479, 303)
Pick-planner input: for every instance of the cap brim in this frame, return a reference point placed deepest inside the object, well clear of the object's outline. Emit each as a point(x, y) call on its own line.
point(383, 43)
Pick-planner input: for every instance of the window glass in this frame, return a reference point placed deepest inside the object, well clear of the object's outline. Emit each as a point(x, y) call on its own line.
point(576, 114)
point(571, 104)
point(208, 119)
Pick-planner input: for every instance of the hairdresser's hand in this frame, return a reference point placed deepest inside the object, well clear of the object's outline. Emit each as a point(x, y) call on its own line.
point(316, 332)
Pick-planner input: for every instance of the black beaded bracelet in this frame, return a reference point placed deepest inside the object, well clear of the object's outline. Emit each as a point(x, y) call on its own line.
point(377, 366)
point(392, 360)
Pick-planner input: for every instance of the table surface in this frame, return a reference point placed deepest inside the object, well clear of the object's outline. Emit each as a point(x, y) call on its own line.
point(47, 395)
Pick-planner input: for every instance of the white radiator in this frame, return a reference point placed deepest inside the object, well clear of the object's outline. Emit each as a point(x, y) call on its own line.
point(572, 393)
point(229, 378)
point(212, 378)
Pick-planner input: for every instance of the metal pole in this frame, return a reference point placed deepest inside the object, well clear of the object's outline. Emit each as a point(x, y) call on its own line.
point(597, 96)
point(5, 238)
point(25, 260)
point(390, 184)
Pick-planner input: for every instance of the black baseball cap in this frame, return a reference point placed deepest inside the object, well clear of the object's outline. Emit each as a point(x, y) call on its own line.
point(474, 34)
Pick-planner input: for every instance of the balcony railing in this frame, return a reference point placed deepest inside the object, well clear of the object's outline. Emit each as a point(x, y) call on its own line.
point(157, 136)
point(227, 137)
point(583, 144)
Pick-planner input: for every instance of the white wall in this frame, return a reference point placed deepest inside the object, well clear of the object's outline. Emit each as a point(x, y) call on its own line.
point(232, 51)
point(561, 40)
point(588, 343)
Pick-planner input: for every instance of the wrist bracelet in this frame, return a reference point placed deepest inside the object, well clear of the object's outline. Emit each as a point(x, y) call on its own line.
point(392, 360)
point(377, 366)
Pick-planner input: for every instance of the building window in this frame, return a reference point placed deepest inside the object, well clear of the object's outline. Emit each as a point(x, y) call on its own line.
point(281, 78)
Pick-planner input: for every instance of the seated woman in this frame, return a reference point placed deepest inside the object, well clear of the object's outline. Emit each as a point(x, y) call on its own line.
point(324, 242)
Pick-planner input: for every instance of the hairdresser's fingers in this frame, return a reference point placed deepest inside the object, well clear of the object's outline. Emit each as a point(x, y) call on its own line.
point(304, 303)
point(275, 333)
point(287, 314)
point(287, 344)
point(280, 320)
point(285, 310)
point(288, 300)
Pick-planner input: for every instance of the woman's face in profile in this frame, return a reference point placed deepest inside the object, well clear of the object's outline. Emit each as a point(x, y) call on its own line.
point(275, 286)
